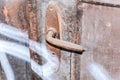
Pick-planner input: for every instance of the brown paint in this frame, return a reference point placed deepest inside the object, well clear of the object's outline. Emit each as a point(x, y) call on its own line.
point(53, 16)
point(13, 13)
point(32, 18)
point(5, 12)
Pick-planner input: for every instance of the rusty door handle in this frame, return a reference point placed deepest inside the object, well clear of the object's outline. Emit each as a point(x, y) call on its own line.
point(50, 37)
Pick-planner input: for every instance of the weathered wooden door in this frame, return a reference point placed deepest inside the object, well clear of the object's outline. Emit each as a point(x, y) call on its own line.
point(13, 12)
point(94, 24)
point(100, 36)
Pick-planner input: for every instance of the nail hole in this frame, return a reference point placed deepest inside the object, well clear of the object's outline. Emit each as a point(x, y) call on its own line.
point(51, 8)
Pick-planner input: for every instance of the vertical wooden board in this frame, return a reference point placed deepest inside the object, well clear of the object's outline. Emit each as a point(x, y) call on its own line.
point(115, 2)
point(69, 33)
point(100, 36)
point(12, 12)
point(33, 12)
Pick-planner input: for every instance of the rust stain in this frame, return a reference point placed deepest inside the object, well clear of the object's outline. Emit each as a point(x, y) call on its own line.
point(5, 12)
point(15, 13)
point(53, 19)
point(32, 14)
point(85, 38)
point(75, 37)
point(22, 18)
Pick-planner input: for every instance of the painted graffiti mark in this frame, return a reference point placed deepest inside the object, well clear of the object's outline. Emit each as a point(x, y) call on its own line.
point(13, 33)
point(6, 66)
point(98, 72)
point(22, 52)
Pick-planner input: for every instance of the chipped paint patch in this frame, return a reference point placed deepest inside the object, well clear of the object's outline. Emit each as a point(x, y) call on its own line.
point(5, 12)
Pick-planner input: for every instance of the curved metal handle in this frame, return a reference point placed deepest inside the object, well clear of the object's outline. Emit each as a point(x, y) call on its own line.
point(62, 44)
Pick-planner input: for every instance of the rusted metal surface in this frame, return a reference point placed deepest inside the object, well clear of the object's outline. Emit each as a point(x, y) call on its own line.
point(104, 2)
point(53, 28)
point(53, 19)
point(62, 44)
point(100, 35)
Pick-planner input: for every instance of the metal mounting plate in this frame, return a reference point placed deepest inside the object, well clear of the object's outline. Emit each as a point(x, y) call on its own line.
point(53, 20)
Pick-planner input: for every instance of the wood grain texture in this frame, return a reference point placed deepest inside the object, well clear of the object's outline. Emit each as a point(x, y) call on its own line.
point(70, 32)
point(100, 35)
point(69, 28)
point(33, 18)
point(30, 14)
point(12, 12)
point(96, 27)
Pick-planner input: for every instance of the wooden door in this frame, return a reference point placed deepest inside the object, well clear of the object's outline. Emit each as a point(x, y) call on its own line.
point(68, 67)
point(100, 36)
point(30, 15)
point(12, 12)
point(94, 24)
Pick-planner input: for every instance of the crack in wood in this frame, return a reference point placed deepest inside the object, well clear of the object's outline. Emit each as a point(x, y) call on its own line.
point(100, 3)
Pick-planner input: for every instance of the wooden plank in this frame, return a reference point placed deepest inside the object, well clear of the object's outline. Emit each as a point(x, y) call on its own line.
point(70, 32)
point(100, 36)
point(115, 2)
point(13, 13)
point(33, 17)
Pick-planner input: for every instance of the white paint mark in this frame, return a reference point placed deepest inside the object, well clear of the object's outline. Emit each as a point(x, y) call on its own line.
point(15, 50)
point(6, 67)
point(13, 33)
point(98, 72)
point(22, 52)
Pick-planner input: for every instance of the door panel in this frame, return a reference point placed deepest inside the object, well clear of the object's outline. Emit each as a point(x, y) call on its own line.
point(95, 27)
point(100, 36)
point(70, 32)
point(30, 15)
point(12, 12)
